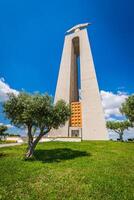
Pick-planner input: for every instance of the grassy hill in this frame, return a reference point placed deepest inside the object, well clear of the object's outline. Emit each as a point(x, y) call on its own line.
point(69, 171)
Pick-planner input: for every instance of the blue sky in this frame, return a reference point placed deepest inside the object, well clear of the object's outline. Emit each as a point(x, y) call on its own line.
point(32, 36)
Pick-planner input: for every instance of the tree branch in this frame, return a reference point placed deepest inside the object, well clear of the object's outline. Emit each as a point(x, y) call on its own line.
point(117, 131)
point(40, 136)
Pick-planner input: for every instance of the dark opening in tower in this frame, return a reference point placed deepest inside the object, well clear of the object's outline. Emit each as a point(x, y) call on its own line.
point(75, 71)
point(75, 85)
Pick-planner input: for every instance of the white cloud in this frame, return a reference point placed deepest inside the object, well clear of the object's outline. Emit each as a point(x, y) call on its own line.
point(5, 89)
point(111, 103)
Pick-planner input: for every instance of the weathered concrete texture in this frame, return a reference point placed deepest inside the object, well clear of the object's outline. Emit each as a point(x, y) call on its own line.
point(93, 122)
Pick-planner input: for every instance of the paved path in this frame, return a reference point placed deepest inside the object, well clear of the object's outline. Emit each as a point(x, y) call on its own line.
point(10, 145)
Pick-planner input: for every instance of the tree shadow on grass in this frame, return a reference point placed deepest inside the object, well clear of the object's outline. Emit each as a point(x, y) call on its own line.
point(2, 155)
point(57, 155)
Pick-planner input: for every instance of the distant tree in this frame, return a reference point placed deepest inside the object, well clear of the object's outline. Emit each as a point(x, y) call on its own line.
point(127, 108)
point(119, 127)
point(36, 112)
point(3, 128)
point(13, 135)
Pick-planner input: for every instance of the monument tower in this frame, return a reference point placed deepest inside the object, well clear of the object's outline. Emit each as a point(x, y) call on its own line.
point(77, 85)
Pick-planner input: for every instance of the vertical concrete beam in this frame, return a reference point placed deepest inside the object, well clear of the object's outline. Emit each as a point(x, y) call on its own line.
point(93, 122)
point(64, 84)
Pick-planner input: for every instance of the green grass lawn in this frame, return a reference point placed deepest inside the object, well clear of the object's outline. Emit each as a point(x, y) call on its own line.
point(69, 171)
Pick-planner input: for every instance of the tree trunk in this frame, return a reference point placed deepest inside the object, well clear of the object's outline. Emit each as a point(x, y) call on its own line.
point(30, 142)
point(32, 146)
point(30, 137)
point(30, 151)
point(121, 136)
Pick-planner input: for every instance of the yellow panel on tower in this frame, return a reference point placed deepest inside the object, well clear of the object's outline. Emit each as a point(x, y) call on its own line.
point(76, 116)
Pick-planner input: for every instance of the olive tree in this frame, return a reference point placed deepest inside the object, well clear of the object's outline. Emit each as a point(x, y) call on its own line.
point(47, 116)
point(35, 111)
point(127, 108)
point(119, 127)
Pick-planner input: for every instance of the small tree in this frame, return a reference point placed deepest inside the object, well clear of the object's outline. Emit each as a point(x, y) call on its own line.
point(46, 116)
point(119, 127)
point(3, 128)
point(36, 111)
point(127, 108)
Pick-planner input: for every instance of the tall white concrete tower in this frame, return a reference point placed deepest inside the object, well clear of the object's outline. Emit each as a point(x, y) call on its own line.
point(77, 85)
